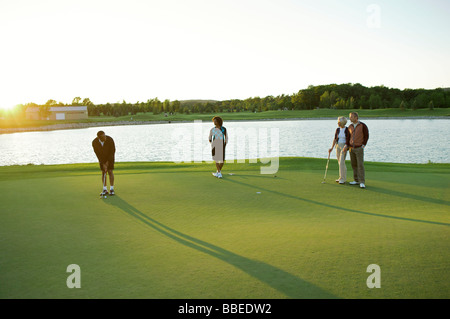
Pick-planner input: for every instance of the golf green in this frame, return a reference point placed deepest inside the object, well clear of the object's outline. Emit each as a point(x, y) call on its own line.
point(175, 231)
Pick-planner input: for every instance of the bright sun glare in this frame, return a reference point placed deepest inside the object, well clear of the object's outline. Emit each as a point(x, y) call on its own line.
point(6, 106)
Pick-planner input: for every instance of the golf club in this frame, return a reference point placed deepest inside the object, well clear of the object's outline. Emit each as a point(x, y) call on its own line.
point(326, 169)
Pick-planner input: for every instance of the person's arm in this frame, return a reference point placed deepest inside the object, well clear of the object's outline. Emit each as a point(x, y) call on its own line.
point(113, 147)
point(111, 150)
point(210, 136)
point(332, 146)
point(365, 134)
point(97, 152)
point(347, 139)
point(225, 137)
point(334, 140)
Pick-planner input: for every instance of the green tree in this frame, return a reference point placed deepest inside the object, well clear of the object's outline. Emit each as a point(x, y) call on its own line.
point(438, 98)
point(363, 104)
point(325, 100)
point(422, 100)
point(328, 99)
point(93, 110)
point(76, 100)
point(176, 106)
point(297, 101)
point(157, 106)
point(340, 103)
point(403, 106)
point(51, 103)
point(351, 103)
point(44, 111)
point(309, 98)
point(107, 109)
point(375, 101)
point(166, 106)
point(87, 102)
point(396, 103)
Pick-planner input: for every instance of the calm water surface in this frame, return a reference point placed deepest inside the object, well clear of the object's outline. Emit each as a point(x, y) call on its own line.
point(391, 140)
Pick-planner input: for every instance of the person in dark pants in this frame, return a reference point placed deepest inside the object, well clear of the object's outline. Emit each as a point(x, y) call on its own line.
point(359, 135)
point(105, 150)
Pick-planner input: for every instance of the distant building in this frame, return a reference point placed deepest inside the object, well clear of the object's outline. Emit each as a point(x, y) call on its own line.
point(58, 113)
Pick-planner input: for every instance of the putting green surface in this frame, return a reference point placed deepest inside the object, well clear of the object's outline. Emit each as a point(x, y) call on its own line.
point(175, 231)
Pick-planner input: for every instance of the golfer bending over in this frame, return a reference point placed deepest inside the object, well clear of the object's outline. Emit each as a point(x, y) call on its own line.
point(105, 149)
point(218, 138)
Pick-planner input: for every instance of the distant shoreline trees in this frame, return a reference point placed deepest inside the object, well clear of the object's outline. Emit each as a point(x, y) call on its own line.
point(334, 96)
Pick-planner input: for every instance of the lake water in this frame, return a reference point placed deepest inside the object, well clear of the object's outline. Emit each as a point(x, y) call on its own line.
point(391, 140)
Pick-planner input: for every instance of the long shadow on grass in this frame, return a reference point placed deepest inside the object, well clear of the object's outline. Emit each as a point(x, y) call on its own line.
point(348, 210)
point(409, 196)
point(288, 284)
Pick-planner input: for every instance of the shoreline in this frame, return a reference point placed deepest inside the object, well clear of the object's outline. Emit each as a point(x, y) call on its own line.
point(143, 164)
point(68, 126)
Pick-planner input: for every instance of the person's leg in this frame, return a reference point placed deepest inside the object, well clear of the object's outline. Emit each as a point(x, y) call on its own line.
point(341, 160)
point(343, 167)
point(360, 165)
point(354, 162)
point(223, 158)
point(219, 174)
point(338, 156)
point(218, 166)
point(111, 178)
point(111, 182)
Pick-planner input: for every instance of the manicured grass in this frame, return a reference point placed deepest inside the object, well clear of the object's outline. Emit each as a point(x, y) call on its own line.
point(321, 113)
point(174, 231)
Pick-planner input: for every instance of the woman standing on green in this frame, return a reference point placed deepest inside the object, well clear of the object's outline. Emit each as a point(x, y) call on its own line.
point(341, 138)
point(218, 138)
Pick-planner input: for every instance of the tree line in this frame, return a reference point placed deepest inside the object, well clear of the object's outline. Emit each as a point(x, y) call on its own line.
point(335, 96)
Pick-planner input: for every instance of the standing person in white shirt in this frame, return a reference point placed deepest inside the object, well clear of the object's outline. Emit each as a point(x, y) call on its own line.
point(218, 138)
point(340, 140)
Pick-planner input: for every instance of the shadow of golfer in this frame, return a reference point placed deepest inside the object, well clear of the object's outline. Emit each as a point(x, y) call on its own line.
point(408, 196)
point(347, 210)
point(282, 281)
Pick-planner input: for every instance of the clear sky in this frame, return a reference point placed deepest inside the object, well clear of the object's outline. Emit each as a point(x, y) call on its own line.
point(133, 50)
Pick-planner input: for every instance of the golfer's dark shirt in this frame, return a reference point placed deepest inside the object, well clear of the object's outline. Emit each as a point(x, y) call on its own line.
point(106, 152)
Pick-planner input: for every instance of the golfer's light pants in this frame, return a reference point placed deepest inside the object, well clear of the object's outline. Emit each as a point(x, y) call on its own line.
point(341, 160)
point(357, 159)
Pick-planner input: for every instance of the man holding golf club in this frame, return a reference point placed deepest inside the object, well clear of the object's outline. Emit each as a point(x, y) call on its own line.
point(359, 135)
point(105, 149)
